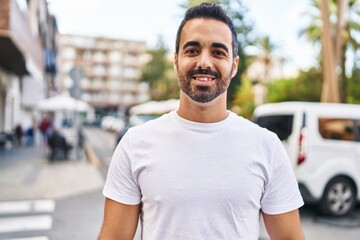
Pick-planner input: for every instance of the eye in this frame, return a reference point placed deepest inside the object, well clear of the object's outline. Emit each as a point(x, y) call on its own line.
point(219, 53)
point(191, 51)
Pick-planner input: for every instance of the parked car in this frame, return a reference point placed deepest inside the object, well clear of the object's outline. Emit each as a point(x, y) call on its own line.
point(111, 123)
point(323, 144)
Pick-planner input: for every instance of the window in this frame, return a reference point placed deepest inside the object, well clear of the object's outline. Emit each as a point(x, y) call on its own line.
point(357, 125)
point(337, 129)
point(279, 124)
point(69, 53)
point(115, 56)
point(99, 56)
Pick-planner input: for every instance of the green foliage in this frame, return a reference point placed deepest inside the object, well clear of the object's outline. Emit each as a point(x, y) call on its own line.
point(238, 13)
point(192, 3)
point(266, 56)
point(159, 74)
point(353, 87)
point(350, 40)
point(281, 90)
point(155, 68)
point(243, 103)
point(306, 87)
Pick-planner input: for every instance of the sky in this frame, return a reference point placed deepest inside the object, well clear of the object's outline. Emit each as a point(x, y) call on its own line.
point(145, 20)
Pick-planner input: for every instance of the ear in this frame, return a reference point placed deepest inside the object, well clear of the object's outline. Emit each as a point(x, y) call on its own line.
point(235, 66)
point(175, 62)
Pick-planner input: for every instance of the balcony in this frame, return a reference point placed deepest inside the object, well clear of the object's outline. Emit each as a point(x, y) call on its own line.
point(17, 44)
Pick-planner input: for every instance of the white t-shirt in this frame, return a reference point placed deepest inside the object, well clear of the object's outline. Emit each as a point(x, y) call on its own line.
point(202, 180)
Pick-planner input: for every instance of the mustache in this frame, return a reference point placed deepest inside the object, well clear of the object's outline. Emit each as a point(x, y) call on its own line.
point(203, 71)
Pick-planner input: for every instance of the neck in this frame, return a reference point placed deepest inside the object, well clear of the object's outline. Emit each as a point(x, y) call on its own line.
point(211, 112)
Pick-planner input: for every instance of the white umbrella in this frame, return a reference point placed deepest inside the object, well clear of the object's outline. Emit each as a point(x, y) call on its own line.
point(63, 102)
point(155, 107)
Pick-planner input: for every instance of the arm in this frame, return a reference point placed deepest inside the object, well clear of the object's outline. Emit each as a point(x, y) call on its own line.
point(120, 221)
point(284, 226)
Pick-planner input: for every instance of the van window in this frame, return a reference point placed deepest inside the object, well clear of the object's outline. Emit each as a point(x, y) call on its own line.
point(357, 125)
point(337, 129)
point(279, 124)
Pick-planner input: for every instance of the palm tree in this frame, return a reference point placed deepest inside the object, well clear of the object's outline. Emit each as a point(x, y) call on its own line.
point(266, 56)
point(348, 35)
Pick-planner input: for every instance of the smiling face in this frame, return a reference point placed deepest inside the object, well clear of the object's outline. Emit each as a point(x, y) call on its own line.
point(205, 64)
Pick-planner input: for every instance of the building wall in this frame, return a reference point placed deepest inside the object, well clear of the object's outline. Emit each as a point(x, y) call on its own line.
point(29, 30)
point(3, 91)
point(9, 102)
point(107, 71)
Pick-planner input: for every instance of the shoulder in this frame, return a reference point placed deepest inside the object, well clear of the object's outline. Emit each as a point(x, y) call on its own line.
point(248, 127)
point(151, 128)
point(151, 125)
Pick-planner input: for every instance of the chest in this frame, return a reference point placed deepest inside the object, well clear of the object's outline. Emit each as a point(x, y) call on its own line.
point(193, 173)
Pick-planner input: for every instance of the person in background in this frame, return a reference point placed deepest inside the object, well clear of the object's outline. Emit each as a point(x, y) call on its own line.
point(19, 133)
point(201, 172)
point(45, 127)
point(59, 147)
point(30, 136)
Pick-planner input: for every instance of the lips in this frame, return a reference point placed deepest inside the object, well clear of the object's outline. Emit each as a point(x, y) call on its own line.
point(203, 75)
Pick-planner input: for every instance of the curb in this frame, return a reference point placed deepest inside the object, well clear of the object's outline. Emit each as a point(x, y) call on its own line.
point(91, 155)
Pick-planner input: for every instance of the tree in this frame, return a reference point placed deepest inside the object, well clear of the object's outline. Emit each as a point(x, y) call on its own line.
point(354, 84)
point(244, 101)
point(266, 56)
point(238, 13)
point(306, 87)
point(350, 29)
point(158, 73)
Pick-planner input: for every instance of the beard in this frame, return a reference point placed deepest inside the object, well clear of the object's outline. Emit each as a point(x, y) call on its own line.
point(203, 94)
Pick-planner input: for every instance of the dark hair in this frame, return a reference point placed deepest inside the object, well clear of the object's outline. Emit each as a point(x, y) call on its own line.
point(209, 11)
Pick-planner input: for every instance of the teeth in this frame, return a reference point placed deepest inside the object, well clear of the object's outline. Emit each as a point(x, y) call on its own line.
point(203, 79)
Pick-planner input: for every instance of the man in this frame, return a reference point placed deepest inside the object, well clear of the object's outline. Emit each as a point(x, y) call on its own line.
point(201, 172)
point(59, 147)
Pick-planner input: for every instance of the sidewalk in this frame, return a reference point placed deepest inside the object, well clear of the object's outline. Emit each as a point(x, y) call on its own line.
point(26, 174)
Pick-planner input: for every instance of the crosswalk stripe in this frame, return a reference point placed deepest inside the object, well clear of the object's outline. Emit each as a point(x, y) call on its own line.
point(14, 207)
point(27, 223)
point(30, 238)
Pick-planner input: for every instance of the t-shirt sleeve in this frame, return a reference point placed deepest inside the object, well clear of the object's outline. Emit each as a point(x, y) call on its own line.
point(282, 191)
point(120, 184)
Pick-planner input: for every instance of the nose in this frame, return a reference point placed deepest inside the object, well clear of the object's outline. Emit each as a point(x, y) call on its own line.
point(204, 61)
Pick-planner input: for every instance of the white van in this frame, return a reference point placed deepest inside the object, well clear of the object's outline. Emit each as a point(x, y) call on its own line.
point(323, 144)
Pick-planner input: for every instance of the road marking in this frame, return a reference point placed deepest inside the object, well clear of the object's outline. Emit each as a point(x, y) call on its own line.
point(28, 223)
point(30, 238)
point(27, 206)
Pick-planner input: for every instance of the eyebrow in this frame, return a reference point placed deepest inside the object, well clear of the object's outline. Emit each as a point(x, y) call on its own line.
point(191, 43)
point(220, 45)
point(214, 45)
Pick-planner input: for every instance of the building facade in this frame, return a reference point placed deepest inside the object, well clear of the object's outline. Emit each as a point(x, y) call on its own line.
point(27, 60)
point(102, 71)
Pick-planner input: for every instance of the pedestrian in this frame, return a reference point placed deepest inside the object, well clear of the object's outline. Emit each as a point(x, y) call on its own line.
point(19, 133)
point(201, 172)
point(59, 147)
point(30, 136)
point(45, 128)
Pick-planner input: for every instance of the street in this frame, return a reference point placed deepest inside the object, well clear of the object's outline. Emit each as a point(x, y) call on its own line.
point(78, 215)
point(48, 201)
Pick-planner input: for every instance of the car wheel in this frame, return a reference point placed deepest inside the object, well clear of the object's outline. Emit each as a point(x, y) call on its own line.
point(339, 197)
